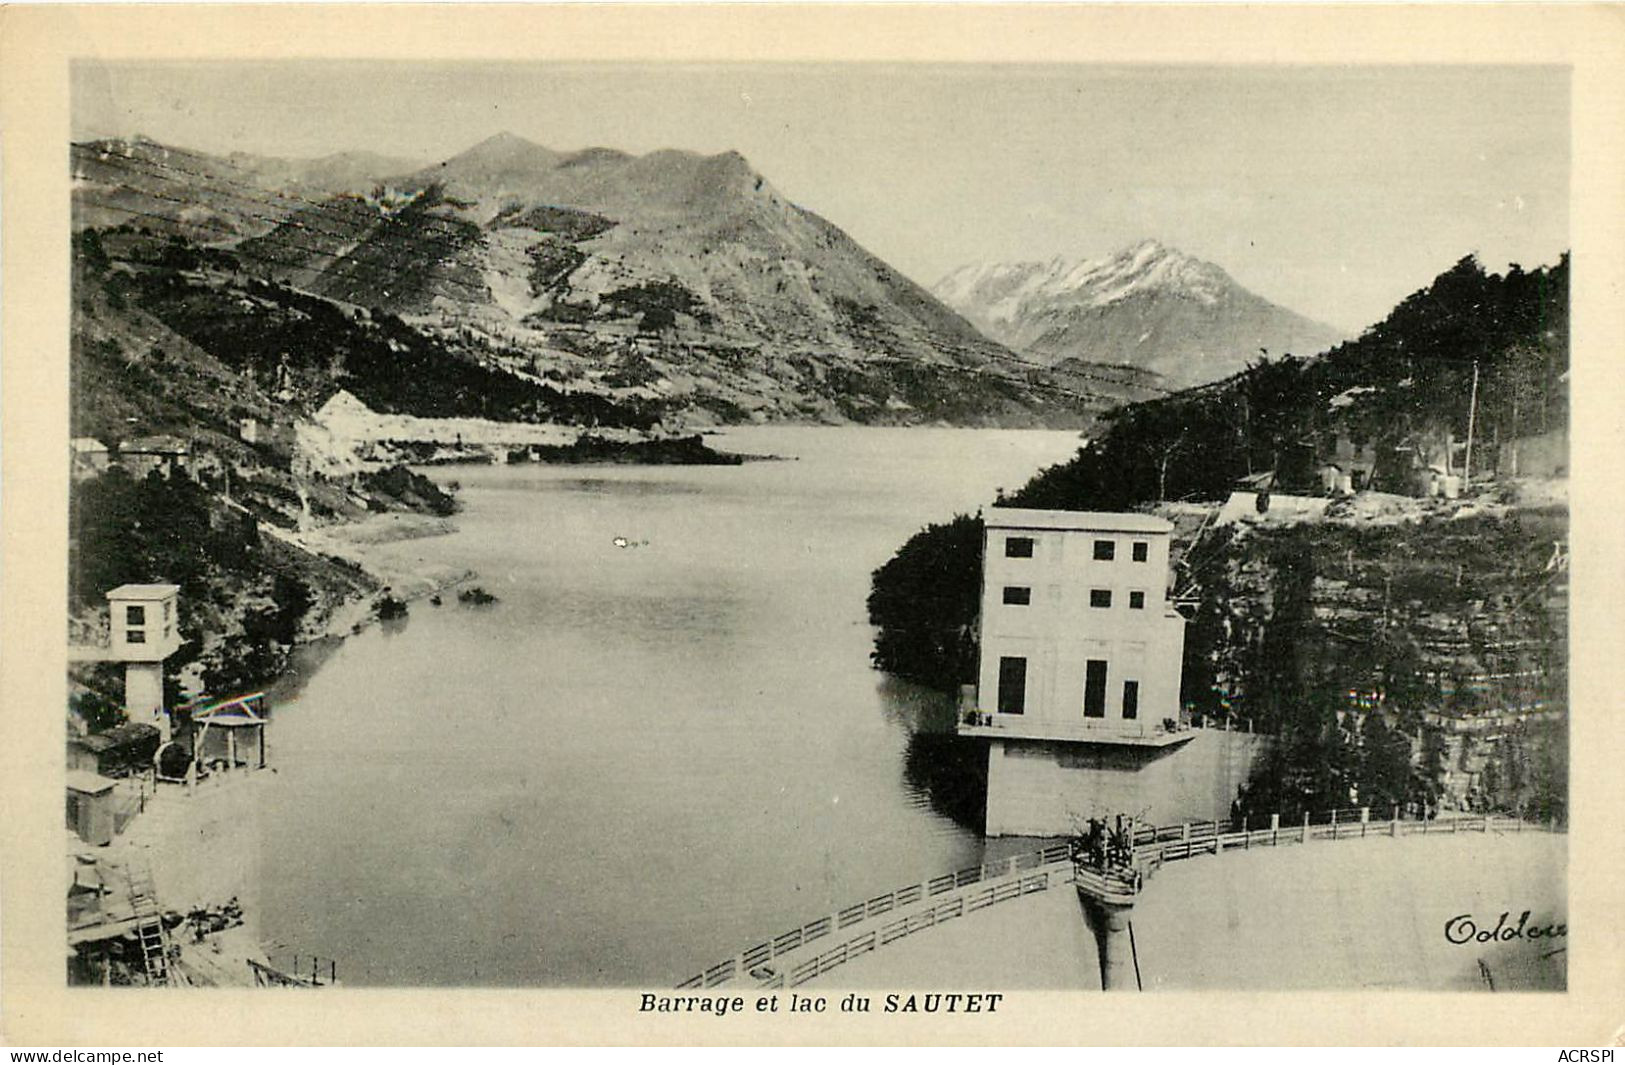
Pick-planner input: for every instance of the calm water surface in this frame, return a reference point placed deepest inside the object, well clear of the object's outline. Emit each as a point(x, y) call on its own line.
point(643, 758)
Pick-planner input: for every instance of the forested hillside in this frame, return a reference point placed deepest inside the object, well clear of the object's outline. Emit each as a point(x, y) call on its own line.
point(304, 347)
point(1431, 619)
point(171, 343)
point(1408, 375)
point(246, 597)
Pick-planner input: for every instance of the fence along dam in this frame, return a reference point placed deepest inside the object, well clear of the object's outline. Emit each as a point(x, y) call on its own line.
point(1139, 924)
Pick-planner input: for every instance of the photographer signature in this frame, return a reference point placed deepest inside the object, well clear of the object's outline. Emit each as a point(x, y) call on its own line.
point(1463, 928)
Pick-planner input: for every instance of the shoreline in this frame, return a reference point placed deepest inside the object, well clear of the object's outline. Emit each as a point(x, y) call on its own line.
point(202, 843)
point(383, 548)
point(371, 545)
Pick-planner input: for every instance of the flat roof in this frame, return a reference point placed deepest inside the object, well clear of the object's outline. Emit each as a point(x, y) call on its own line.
point(133, 733)
point(1085, 520)
point(146, 445)
point(144, 591)
point(89, 783)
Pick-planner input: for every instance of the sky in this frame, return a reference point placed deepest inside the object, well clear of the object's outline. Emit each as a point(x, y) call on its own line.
point(1335, 191)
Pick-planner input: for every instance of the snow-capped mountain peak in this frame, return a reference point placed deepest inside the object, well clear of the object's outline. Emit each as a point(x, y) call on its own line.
point(1181, 316)
point(1147, 266)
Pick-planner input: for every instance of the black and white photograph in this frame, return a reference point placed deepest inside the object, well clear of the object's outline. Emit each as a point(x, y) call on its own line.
point(879, 536)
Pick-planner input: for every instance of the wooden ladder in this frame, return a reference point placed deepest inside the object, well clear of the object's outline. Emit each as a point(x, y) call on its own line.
point(149, 929)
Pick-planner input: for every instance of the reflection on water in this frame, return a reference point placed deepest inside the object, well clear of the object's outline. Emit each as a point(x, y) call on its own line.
point(306, 662)
point(914, 706)
point(625, 486)
point(951, 773)
point(641, 758)
point(942, 772)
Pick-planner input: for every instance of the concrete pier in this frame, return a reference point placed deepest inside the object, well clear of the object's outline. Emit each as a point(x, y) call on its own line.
point(1114, 946)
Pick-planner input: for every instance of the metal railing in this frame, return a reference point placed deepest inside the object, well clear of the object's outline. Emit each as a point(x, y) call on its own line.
point(130, 797)
point(1024, 874)
point(753, 958)
point(1012, 726)
point(297, 970)
point(929, 917)
point(1108, 884)
point(1153, 847)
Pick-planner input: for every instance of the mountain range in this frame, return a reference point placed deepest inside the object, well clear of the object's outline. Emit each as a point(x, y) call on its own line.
point(673, 279)
point(1148, 306)
point(209, 198)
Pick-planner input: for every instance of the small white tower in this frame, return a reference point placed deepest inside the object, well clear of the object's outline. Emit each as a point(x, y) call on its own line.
point(145, 632)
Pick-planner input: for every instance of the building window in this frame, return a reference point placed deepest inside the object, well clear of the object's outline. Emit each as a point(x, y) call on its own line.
point(1136, 600)
point(1105, 550)
point(1100, 597)
point(136, 636)
point(1142, 550)
point(135, 615)
point(1094, 688)
point(1012, 685)
point(1018, 547)
point(1131, 700)
point(1015, 595)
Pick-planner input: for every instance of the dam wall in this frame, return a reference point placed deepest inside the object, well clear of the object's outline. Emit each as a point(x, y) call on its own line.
point(1052, 788)
point(1479, 910)
point(1441, 912)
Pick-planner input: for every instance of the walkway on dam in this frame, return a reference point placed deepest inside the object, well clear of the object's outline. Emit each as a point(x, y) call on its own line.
point(1358, 916)
point(1037, 943)
point(1328, 905)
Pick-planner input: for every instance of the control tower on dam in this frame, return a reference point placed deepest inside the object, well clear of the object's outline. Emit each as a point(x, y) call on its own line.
point(1077, 691)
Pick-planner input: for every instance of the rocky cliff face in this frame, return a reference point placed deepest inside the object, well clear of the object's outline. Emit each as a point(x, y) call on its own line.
point(1148, 306)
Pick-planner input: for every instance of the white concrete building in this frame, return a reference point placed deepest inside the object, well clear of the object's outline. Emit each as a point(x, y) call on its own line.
point(145, 631)
point(1078, 637)
point(88, 457)
point(1078, 683)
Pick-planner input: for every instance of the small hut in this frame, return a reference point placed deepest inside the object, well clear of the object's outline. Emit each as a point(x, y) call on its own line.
point(229, 734)
point(91, 812)
point(118, 752)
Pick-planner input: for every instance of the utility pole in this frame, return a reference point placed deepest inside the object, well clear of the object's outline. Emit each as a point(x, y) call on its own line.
point(1472, 413)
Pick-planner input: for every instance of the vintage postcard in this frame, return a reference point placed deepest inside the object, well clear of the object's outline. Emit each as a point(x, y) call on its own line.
point(811, 524)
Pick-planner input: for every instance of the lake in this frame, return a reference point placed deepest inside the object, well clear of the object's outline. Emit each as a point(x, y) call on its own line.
point(663, 744)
